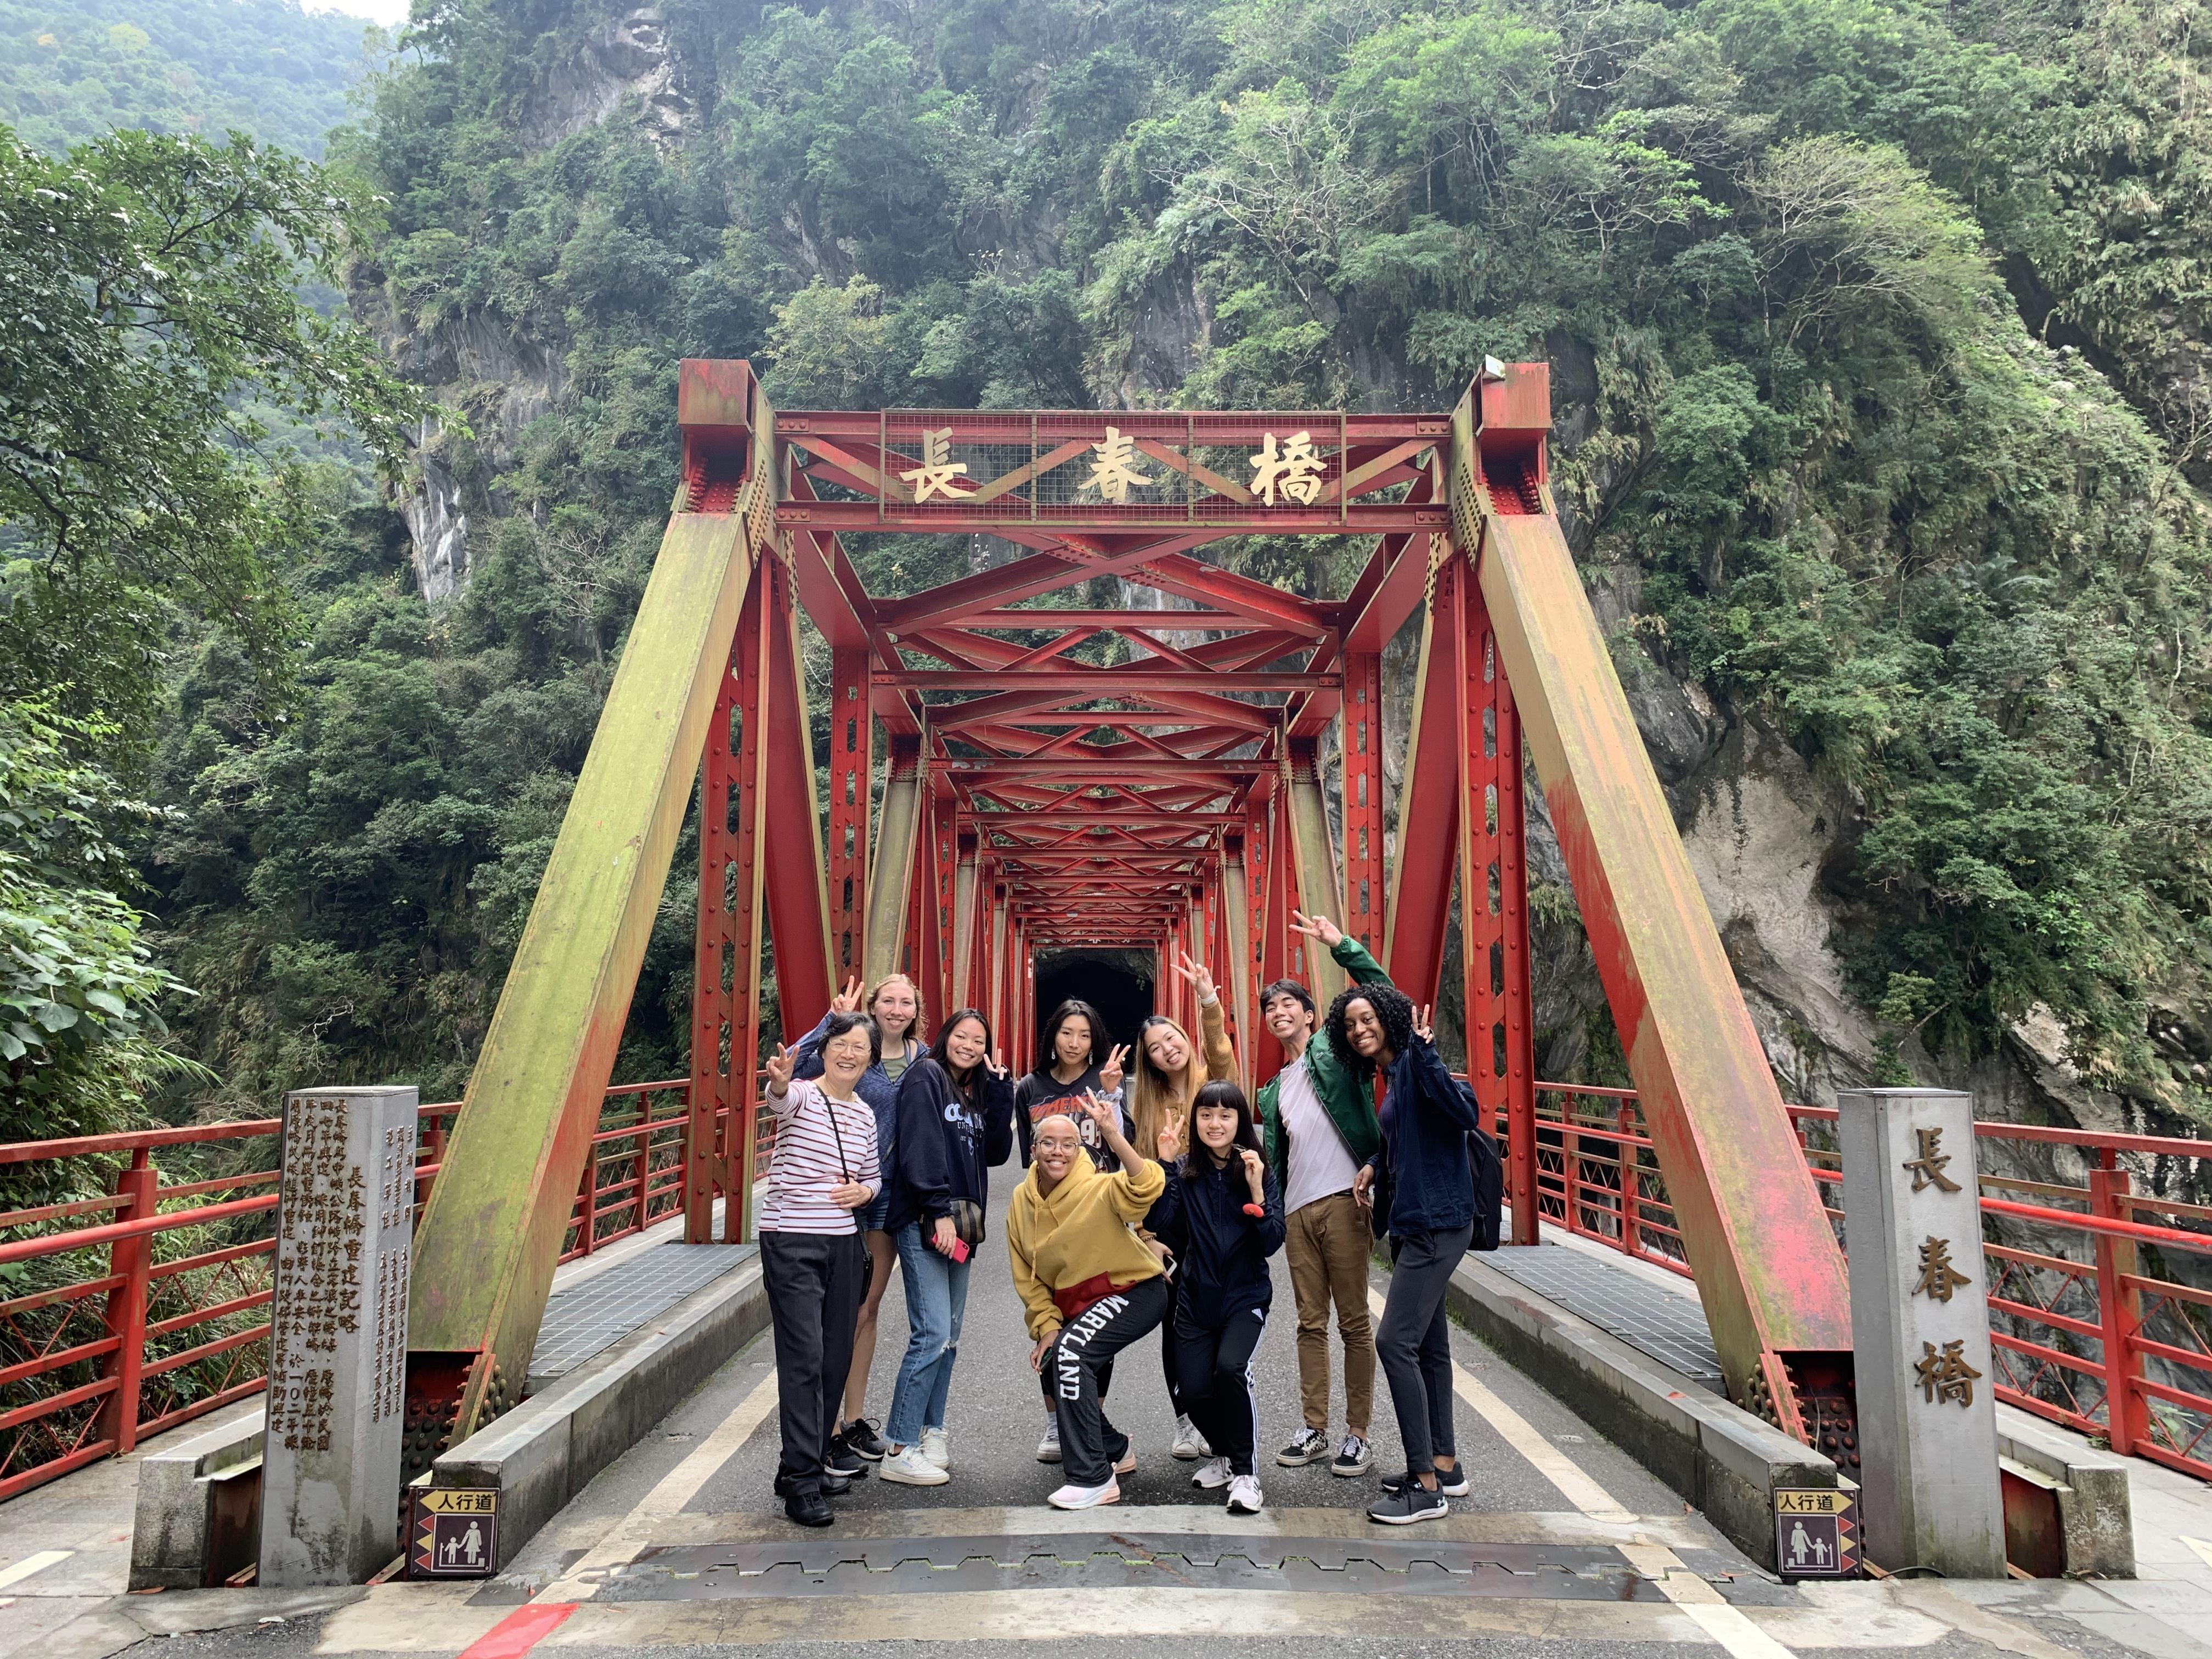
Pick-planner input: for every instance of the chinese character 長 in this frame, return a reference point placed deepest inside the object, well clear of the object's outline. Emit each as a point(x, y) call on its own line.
point(1296, 470)
point(1928, 1167)
point(1945, 1376)
point(938, 473)
point(1938, 1278)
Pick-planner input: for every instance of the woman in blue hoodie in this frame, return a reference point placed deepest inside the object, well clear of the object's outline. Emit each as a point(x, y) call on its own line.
point(1422, 1184)
point(956, 1121)
point(1222, 1215)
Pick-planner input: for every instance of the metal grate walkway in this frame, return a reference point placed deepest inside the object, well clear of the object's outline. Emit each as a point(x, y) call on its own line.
point(607, 1307)
point(1650, 1318)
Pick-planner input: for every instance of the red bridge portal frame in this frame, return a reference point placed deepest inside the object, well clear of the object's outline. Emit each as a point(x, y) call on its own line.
point(1150, 774)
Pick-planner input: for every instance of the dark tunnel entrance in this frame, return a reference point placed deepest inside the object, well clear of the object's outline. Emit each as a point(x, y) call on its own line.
point(1118, 983)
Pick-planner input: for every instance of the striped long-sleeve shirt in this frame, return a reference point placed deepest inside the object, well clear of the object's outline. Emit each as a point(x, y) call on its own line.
point(811, 1157)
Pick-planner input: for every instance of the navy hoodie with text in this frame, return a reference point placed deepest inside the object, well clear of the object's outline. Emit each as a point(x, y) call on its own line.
point(947, 1144)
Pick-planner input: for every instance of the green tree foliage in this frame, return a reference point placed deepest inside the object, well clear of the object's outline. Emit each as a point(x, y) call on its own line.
point(69, 73)
point(1872, 325)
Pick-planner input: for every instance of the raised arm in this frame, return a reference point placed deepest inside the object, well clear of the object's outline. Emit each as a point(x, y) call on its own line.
point(1438, 1089)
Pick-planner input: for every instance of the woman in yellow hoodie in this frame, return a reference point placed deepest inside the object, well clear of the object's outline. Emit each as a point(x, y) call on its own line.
point(1088, 1286)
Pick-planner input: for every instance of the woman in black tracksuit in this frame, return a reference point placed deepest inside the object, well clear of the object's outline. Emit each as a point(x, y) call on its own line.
point(1222, 1215)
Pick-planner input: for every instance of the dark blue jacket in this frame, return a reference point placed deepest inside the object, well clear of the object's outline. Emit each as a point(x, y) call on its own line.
point(1221, 1253)
point(876, 1086)
point(947, 1147)
point(1425, 1173)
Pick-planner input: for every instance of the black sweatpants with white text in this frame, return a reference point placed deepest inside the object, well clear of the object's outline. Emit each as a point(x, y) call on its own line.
point(1080, 1357)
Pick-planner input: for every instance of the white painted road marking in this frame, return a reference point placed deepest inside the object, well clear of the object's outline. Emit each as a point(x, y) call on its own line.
point(630, 1535)
point(31, 1563)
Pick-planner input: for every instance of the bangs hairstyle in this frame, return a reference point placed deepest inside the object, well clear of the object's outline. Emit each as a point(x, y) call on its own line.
point(1197, 1157)
point(1391, 1007)
point(1291, 988)
point(920, 1009)
point(1073, 1008)
point(937, 1049)
point(840, 1023)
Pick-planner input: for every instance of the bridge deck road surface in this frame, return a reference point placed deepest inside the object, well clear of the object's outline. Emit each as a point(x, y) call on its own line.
point(1565, 1547)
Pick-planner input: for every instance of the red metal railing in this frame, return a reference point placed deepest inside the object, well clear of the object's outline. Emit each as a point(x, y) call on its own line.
point(130, 1311)
point(2078, 1321)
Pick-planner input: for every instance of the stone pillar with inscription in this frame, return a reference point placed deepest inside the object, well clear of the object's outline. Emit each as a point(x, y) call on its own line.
point(1920, 1323)
point(338, 1347)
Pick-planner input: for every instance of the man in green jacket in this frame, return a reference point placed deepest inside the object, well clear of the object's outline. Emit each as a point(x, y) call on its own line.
point(1321, 1128)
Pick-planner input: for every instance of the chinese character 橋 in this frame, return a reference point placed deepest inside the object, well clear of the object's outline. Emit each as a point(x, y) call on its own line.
point(1928, 1167)
point(938, 473)
point(1116, 469)
point(1938, 1278)
point(1296, 470)
point(1945, 1376)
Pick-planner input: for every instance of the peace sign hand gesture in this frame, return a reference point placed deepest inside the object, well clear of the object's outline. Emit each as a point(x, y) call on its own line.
point(1200, 980)
point(1317, 927)
point(1110, 1074)
point(996, 1064)
point(779, 1072)
point(1102, 1112)
point(1425, 1022)
point(848, 999)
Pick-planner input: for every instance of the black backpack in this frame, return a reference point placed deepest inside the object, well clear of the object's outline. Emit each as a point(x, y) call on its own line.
point(1489, 1172)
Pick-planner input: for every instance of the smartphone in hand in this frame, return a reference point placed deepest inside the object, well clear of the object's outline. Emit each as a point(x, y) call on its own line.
point(960, 1249)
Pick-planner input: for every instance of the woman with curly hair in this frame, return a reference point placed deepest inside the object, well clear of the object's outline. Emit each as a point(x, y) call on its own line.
point(1423, 1186)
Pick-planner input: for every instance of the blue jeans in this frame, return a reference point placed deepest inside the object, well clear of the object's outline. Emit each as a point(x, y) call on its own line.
point(936, 1301)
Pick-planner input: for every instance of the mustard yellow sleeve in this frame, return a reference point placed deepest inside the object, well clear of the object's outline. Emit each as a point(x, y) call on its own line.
point(1133, 1195)
point(1039, 1312)
point(1213, 1027)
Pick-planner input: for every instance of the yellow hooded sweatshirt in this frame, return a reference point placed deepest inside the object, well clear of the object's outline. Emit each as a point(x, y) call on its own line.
point(1079, 1232)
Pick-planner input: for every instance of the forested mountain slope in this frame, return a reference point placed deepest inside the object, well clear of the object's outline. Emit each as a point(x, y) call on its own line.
point(70, 70)
point(1878, 336)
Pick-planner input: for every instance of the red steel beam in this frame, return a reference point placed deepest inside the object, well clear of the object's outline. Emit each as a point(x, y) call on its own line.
point(1361, 746)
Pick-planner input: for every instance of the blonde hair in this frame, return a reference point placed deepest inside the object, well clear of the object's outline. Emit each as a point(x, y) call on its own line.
point(914, 1031)
point(1158, 1100)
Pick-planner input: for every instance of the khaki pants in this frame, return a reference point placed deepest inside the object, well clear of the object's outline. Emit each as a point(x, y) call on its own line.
point(1328, 1244)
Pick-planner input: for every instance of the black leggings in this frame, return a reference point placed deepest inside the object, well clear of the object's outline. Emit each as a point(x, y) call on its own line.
point(1076, 1366)
point(1413, 1343)
point(1215, 1365)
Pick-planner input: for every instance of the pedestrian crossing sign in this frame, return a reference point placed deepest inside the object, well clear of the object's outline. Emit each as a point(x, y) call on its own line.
point(454, 1535)
point(1815, 1532)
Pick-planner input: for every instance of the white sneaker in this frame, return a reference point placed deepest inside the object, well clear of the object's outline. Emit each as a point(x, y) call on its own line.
point(1048, 1448)
point(1244, 1495)
point(937, 1447)
point(1189, 1445)
point(1213, 1474)
point(1085, 1498)
point(907, 1467)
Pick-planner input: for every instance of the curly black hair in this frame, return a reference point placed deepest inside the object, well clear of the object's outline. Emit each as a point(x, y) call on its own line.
point(1391, 1006)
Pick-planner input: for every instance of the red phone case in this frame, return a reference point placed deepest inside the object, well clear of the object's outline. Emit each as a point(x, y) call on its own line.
point(959, 1250)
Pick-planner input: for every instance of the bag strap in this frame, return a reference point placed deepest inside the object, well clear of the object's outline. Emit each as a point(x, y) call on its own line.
point(844, 1163)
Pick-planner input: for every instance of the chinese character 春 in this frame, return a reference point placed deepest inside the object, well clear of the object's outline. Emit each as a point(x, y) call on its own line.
point(1945, 1376)
point(1116, 469)
point(1938, 1278)
point(1928, 1167)
point(1296, 470)
point(938, 473)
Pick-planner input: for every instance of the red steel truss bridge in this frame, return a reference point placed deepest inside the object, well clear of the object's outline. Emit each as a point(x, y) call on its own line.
point(1012, 770)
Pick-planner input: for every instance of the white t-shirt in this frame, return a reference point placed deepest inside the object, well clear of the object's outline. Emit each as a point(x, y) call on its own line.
point(1319, 1165)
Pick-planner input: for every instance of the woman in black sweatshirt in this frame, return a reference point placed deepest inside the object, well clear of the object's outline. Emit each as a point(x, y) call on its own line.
point(1222, 1215)
point(955, 1121)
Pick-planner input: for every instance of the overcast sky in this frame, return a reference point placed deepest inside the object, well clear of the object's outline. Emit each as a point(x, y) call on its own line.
point(390, 13)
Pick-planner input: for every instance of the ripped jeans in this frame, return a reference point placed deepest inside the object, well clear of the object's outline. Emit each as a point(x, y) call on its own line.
point(936, 1300)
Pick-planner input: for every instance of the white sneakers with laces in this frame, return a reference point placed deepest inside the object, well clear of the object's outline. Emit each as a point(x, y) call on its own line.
point(1048, 1447)
point(937, 1447)
point(1189, 1445)
point(1213, 1474)
point(1244, 1495)
point(905, 1466)
point(1085, 1498)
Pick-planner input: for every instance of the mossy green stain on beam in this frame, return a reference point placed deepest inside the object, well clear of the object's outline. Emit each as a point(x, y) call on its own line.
point(491, 1234)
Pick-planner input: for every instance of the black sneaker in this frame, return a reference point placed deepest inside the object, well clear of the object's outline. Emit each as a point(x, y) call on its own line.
point(860, 1439)
point(1310, 1447)
point(1407, 1504)
point(1451, 1482)
point(843, 1463)
point(1352, 1458)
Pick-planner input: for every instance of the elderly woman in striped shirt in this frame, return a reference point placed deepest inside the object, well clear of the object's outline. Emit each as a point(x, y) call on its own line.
point(824, 1169)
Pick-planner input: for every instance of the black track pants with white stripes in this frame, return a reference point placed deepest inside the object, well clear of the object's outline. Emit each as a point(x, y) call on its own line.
point(1215, 1366)
point(1074, 1366)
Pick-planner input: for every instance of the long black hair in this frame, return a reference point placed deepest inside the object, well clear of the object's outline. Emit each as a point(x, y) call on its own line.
point(841, 1021)
point(937, 1049)
point(1073, 1008)
point(1392, 1006)
point(1197, 1156)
